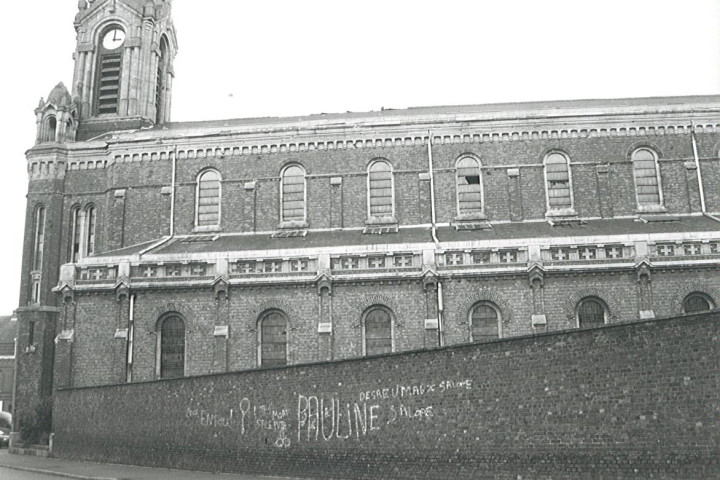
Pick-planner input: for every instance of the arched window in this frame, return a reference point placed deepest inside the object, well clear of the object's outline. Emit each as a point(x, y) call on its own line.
point(469, 187)
point(485, 322)
point(381, 196)
point(647, 178)
point(109, 70)
point(591, 312)
point(50, 129)
point(208, 199)
point(172, 347)
point(273, 340)
point(558, 182)
point(90, 224)
point(378, 331)
point(292, 194)
point(75, 234)
point(39, 240)
point(161, 81)
point(697, 302)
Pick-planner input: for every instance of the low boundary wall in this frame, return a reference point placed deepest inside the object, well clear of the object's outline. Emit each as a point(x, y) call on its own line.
point(634, 401)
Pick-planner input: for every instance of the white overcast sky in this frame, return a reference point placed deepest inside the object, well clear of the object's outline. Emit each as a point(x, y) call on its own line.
point(241, 58)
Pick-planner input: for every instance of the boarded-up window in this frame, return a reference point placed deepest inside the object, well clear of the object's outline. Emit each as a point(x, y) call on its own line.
point(293, 194)
point(697, 302)
point(557, 175)
point(380, 193)
point(484, 320)
point(208, 206)
point(273, 340)
point(469, 186)
point(647, 183)
point(591, 313)
point(378, 331)
point(172, 347)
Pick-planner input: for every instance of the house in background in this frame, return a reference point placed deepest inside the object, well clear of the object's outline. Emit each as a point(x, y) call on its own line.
point(8, 334)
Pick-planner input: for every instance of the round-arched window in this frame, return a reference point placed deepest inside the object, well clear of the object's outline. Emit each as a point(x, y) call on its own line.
point(273, 340)
point(697, 302)
point(172, 347)
point(378, 331)
point(591, 312)
point(485, 322)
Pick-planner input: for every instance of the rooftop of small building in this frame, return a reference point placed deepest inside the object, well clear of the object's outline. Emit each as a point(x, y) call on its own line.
point(612, 229)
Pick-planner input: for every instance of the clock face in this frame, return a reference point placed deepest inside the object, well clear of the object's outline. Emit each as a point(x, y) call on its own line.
point(113, 39)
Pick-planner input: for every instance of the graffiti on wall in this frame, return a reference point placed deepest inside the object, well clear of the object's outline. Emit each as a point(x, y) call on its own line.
point(331, 417)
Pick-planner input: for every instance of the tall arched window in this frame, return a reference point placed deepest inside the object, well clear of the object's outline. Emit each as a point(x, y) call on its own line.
point(172, 347)
point(50, 129)
point(90, 225)
point(485, 322)
point(292, 194)
point(161, 81)
point(647, 179)
point(208, 199)
point(558, 182)
point(109, 70)
point(697, 302)
point(75, 234)
point(469, 187)
point(591, 312)
point(273, 340)
point(381, 195)
point(378, 331)
point(39, 240)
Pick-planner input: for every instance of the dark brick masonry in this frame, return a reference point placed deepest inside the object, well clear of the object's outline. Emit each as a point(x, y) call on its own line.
point(622, 401)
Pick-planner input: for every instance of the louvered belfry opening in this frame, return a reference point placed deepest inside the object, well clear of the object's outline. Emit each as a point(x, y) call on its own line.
point(108, 93)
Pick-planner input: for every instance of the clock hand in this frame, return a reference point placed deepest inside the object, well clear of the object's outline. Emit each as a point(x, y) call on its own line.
point(115, 35)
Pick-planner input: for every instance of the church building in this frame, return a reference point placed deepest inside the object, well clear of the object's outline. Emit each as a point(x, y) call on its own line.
point(157, 250)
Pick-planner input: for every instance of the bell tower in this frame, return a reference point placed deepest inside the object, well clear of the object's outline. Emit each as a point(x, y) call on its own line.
point(123, 64)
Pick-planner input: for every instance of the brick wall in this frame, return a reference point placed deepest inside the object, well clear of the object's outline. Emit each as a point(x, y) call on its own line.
point(623, 401)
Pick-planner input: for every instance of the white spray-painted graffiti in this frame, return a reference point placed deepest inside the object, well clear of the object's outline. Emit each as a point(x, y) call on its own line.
point(329, 418)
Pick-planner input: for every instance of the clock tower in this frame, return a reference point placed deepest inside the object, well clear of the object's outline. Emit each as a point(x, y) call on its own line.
point(123, 64)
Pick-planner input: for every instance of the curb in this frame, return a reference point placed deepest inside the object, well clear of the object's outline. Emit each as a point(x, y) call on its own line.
point(55, 473)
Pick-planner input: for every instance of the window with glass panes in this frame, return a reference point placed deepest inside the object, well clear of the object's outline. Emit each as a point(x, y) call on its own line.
point(484, 320)
point(273, 340)
point(378, 331)
point(293, 194)
point(647, 181)
point(380, 190)
point(172, 347)
point(591, 313)
point(469, 186)
point(697, 302)
point(557, 175)
point(208, 199)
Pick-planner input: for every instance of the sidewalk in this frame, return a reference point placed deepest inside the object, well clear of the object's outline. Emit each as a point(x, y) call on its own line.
point(101, 471)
